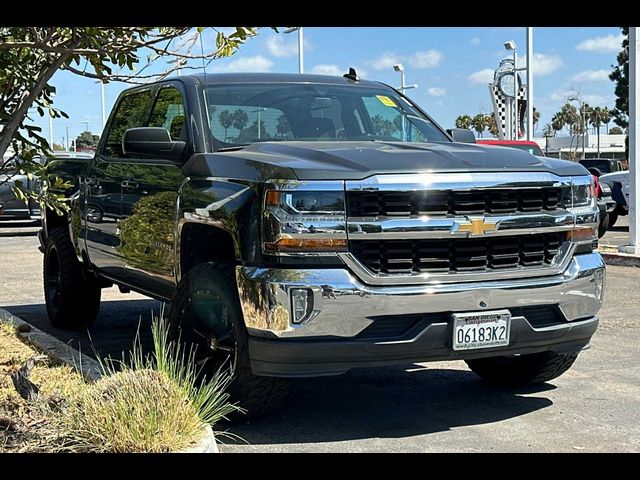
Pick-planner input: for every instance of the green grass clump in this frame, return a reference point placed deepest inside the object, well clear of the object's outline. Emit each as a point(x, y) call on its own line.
point(149, 403)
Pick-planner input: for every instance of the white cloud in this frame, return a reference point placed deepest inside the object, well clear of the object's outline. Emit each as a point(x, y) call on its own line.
point(609, 44)
point(482, 76)
point(436, 92)
point(542, 64)
point(426, 59)
point(591, 76)
point(421, 59)
point(278, 47)
point(475, 41)
point(325, 69)
point(257, 63)
point(385, 61)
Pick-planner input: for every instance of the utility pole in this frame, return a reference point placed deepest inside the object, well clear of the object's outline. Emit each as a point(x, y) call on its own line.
point(530, 131)
point(67, 140)
point(300, 46)
point(634, 131)
point(102, 104)
point(50, 132)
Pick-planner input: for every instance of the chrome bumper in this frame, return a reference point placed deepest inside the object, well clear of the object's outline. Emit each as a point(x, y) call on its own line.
point(343, 306)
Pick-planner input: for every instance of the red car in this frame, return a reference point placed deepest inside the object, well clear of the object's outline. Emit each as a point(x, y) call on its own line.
point(532, 147)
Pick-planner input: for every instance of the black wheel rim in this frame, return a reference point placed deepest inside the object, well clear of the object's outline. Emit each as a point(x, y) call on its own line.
point(52, 280)
point(208, 330)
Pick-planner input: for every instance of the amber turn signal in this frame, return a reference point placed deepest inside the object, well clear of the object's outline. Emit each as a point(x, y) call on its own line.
point(306, 244)
point(581, 234)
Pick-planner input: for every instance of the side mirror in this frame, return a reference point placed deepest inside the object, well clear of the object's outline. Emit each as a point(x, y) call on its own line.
point(462, 135)
point(152, 142)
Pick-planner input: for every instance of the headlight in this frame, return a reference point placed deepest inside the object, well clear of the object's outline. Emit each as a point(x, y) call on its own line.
point(305, 218)
point(584, 208)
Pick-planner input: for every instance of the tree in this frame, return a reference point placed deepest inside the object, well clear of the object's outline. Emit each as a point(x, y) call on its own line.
point(240, 120)
point(606, 117)
point(597, 117)
point(620, 75)
point(383, 127)
point(30, 56)
point(548, 131)
point(87, 140)
point(490, 122)
point(226, 120)
point(464, 121)
point(283, 129)
point(616, 131)
point(536, 119)
point(478, 123)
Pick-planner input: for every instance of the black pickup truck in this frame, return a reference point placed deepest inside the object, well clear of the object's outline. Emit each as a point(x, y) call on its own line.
point(305, 225)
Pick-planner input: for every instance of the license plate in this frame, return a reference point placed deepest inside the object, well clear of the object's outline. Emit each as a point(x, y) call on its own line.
point(481, 329)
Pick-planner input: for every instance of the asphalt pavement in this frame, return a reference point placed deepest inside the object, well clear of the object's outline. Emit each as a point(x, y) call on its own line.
point(618, 234)
point(427, 407)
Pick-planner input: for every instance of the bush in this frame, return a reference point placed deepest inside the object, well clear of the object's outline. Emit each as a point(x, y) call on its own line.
point(150, 403)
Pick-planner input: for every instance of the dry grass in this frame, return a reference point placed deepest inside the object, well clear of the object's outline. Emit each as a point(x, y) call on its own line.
point(24, 426)
point(152, 403)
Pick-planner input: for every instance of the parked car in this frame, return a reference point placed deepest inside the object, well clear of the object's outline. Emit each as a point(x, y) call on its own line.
point(339, 227)
point(531, 147)
point(601, 166)
point(619, 184)
point(606, 205)
point(11, 208)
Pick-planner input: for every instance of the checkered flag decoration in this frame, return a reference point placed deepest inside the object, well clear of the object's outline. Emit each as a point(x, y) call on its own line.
point(500, 108)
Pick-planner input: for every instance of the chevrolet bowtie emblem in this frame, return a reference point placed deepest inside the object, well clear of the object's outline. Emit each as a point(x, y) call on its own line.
point(475, 226)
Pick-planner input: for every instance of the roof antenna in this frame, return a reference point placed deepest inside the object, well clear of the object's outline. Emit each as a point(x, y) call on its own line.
point(352, 75)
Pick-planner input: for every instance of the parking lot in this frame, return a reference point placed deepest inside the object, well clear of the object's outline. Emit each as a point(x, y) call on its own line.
point(423, 407)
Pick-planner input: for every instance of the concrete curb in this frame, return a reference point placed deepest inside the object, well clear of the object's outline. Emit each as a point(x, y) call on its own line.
point(58, 351)
point(208, 443)
point(621, 259)
point(88, 367)
point(19, 233)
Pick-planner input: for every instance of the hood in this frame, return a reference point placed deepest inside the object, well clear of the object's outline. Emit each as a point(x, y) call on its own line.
point(615, 176)
point(359, 160)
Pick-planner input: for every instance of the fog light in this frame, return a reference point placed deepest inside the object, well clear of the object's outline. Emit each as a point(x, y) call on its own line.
point(599, 279)
point(301, 304)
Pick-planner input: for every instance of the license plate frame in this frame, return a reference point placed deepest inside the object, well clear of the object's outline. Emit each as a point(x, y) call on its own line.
point(494, 324)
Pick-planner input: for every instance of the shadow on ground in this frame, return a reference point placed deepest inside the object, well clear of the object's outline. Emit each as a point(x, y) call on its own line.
point(391, 402)
point(113, 332)
point(387, 403)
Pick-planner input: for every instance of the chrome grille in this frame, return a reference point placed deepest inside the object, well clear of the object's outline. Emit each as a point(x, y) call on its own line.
point(457, 255)
point(452, 202)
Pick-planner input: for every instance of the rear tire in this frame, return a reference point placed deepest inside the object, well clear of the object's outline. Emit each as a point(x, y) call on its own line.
point(72, 295)
point(206, 312)
point(613, 218)
point(522, 370)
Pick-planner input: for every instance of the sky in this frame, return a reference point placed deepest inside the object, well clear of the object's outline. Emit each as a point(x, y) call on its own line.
point(451, 65)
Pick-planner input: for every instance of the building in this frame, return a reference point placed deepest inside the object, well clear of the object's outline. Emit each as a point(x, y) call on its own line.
point(611, 146)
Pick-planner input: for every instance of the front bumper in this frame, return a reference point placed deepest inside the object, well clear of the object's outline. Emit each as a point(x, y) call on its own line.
point(333, 339)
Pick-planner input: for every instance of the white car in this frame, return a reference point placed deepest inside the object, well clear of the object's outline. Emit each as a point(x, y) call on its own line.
point(619, 183)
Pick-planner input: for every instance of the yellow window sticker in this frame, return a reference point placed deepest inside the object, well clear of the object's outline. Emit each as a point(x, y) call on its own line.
point(386, 101)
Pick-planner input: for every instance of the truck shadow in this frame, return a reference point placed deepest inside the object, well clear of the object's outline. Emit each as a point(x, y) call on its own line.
point(388, 403)
point(393, 402)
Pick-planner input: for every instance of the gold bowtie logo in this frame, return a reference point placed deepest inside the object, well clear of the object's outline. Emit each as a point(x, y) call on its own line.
point(477, 226)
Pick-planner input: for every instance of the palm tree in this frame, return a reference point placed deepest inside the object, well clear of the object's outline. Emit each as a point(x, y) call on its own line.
point(548, 131)
point(226, 120)
point(606, 117)
point(282, 127)
point(478, 123)
point(490, 122)
point(240, 120)
point(597, 117)
point(464, 121)
point(536, 119)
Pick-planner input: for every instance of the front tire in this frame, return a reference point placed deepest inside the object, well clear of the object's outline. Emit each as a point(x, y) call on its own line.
point(72, 296)
point(613, 218)
point(206, 313)
point(603, 226)
point(522, 370)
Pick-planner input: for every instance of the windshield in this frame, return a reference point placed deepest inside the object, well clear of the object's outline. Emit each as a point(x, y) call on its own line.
point(265, 112)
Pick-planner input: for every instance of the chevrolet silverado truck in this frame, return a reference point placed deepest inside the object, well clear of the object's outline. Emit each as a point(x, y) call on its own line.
point(306, 225)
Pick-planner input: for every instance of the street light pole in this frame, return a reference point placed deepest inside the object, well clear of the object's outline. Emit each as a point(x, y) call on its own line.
point(530, 131)
point(300, 46)
point(634, 131)
point(515, 93)
point(102, 104)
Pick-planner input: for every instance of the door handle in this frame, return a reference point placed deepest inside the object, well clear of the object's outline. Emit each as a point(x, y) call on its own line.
point(130, 184)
